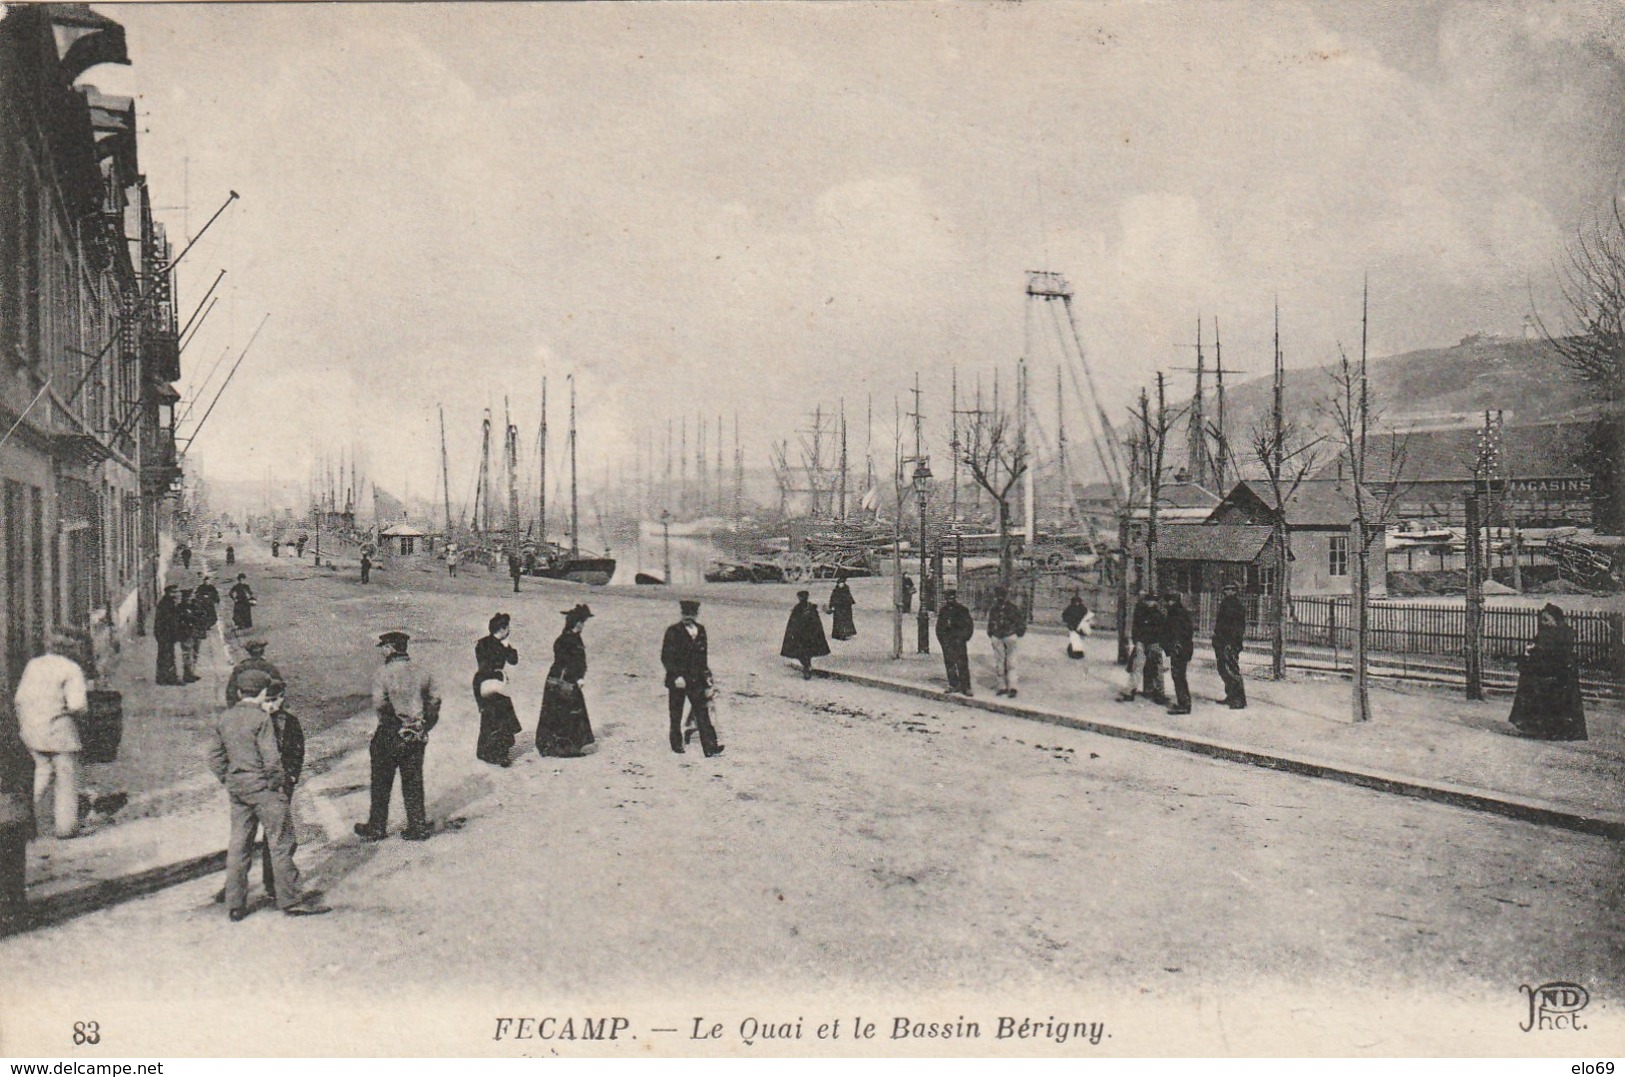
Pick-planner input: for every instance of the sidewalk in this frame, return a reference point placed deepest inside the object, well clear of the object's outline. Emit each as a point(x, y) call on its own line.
point(1420, 742)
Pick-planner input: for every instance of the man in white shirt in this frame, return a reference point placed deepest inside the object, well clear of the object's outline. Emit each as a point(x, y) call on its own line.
point(50, 697)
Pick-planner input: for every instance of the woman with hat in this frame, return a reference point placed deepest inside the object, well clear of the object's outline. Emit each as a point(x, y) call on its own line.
point(1548, 705)
point(499, 725)
point(563, 728)
point(804, 634)
point(841, 602)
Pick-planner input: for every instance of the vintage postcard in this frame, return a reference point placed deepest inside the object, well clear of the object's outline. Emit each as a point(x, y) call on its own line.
point(954, 529)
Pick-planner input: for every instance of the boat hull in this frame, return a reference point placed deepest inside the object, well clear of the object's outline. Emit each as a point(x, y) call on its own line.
point(591, 570)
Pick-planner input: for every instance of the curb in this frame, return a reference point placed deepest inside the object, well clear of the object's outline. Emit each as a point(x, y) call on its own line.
point(106, 893)
point(1528, 811)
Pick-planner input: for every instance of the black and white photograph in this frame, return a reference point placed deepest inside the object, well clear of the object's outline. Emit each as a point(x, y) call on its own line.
point(968, 529)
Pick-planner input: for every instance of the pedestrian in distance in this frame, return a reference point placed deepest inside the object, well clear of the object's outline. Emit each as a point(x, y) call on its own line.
point(1178, 645)
point(908, 593)
point(1548, 704)
point(955, 627)
point(407, 702)
point(16, 820)
point(166, 633)
point(1078, 621)
point(245, 757)
point(1229, 632)
point(451, 561)
point(242, 604)
point(203, 614)
point(1006, 624)
point(515, 568)
point(185, 554)
point(51, 698)
point(300, 545)
point(187, 628)
point(276, 548)
point(685, 654)
point(841, 625)
point(366, 568)
point(256, 660)
point(207, 592)
point(804, 634)
point(499, 724)
point(563, 728)
point(231, 555)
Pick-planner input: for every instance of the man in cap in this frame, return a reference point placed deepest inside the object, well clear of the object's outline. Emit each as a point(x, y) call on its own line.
point(804, 637)
point(1006, 624)
point(246, 759)
point(408, 705)
point(955, 627)
point(1178, 644)
point(1229, 630)
point(256, 660)
point(166, 629)
point(685, 654)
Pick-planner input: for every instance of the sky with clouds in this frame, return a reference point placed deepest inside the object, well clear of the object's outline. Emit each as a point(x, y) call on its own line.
point(758, 208)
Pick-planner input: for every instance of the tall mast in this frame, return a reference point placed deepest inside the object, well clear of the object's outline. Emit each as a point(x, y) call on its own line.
point(739, 476)
point(575, 521)
point(953, 444)
point(541, 466)
point(445, 478)
point(1060, 439)
point(482, 505)
point(700, 471)
point(1197, 452)
point(1221, 455)
point(717, 452)
point(682, 471)
point(842, 508)
point(667, 498)
point(1028, 482)
point(511, 451)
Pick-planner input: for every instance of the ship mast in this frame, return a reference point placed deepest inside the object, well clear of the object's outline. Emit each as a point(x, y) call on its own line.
point(541, 464)
point(575, 523)
point(445, 478)
point(511, 451)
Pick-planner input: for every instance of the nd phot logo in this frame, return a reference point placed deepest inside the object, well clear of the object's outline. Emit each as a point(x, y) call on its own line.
point(1554, 1006)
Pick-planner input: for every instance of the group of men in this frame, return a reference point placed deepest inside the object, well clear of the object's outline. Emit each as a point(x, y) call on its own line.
point(1006, 625)
point(184, 619)
point(1162, 630)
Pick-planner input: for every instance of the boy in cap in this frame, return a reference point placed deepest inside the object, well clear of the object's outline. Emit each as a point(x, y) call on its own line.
point(246, 759)
point(1229, 631)
point(1006, 624)
point(686, 655)
point(408, 705)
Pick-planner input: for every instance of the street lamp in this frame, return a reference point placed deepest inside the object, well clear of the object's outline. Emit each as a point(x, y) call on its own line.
point(922, 485)
point(665, 534)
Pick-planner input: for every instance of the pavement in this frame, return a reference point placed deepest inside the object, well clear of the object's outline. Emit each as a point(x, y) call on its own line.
point(1422, 742)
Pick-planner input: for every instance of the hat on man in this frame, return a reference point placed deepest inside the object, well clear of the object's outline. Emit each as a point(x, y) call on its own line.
point(168, 587)
point(803, 594)
point(397, 640)
point(256, 645)
point(950, 592)
point(251, 682)
point(576, 614)
point(689, 606)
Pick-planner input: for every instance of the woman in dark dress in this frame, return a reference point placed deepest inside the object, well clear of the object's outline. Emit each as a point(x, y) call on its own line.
point(499, 724)
point(804, 635)
point(563, 728)
point(841, 625)
point(1548, 705)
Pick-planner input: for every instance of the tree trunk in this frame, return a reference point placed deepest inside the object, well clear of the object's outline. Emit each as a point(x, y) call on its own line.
point(1474, 641)
point(1283, 603)
point(1125, 559)
point(1361, 698)
point(1006, 567)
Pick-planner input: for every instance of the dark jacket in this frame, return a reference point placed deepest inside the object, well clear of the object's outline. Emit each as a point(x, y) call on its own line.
point(233, 692)
point(1006, 619)
point(1230, 622)
point(1548, 703)
point(569, 657)
point(1074, 613)
point(241, 594)
point(1177, 633)
point(290, 742)
point(685, 657)
point(166, 619)
point(804, 633)
point(201, 614)
point(207, 592)
point(955, 623)
point(1148, 622)
point(492, 655)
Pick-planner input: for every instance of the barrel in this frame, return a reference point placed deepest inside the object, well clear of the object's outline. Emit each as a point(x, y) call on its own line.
point(103, 727)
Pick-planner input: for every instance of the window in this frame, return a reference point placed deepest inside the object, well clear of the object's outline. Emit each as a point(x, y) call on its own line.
point(1338, 556)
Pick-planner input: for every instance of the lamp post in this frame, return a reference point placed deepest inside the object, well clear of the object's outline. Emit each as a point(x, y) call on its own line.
point(922, 485)
point(665, 535)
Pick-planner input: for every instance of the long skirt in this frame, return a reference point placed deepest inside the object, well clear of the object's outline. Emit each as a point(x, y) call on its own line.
point(563, 728)
point(1549, 706)
point(841, 623)
point(498, 727)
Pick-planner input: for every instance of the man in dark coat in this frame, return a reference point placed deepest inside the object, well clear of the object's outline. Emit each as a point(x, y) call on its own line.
point(242, 603)
point(516, 568)
point(685, 654)
point(1006, 624)
point(1229, 631)
point(407, 702)
point(366, 568)
point(185, 553)
point(908, 593)
point(499, 724)
point(804, 634)
point(955, 627)
point(166, 632)
point(1178, 644)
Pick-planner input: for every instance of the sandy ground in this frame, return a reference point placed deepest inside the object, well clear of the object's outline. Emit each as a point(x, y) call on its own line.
point(851, 848)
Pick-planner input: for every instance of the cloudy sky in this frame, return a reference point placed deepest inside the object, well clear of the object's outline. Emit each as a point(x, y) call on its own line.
point(762, 207)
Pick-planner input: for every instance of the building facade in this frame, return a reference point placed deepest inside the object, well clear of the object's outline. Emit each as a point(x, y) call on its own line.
point(88, 348)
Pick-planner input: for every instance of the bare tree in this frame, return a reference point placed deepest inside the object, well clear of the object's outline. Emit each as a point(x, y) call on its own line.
point(1349, 409)
point(1591, 343)
point(1153, 444)
point(992, 449)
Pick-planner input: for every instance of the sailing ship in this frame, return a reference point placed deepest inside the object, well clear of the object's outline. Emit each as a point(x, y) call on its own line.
point(553, 561)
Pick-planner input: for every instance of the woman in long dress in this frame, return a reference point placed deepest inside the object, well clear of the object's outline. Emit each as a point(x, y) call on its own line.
point(841, 625)
point(1548, 705)
point(499, 724)
point(563, 728)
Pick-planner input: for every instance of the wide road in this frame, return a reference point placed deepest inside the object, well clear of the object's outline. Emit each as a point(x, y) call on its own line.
point(853, 852)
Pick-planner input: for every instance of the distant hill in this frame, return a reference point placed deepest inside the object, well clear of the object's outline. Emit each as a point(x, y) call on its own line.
point(1436, 387)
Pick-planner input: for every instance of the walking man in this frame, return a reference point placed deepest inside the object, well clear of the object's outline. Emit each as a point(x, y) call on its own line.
point(515, 567)
point(242, 603)
point(185, 553)
point(408, 705)
point(955, 627)
point(1006, 624)
point(166, 628)
point(685, 654)
point(1229, 630)
point(366, 568)
point(1178, 645)
point(246, 759)
point(804, 637)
